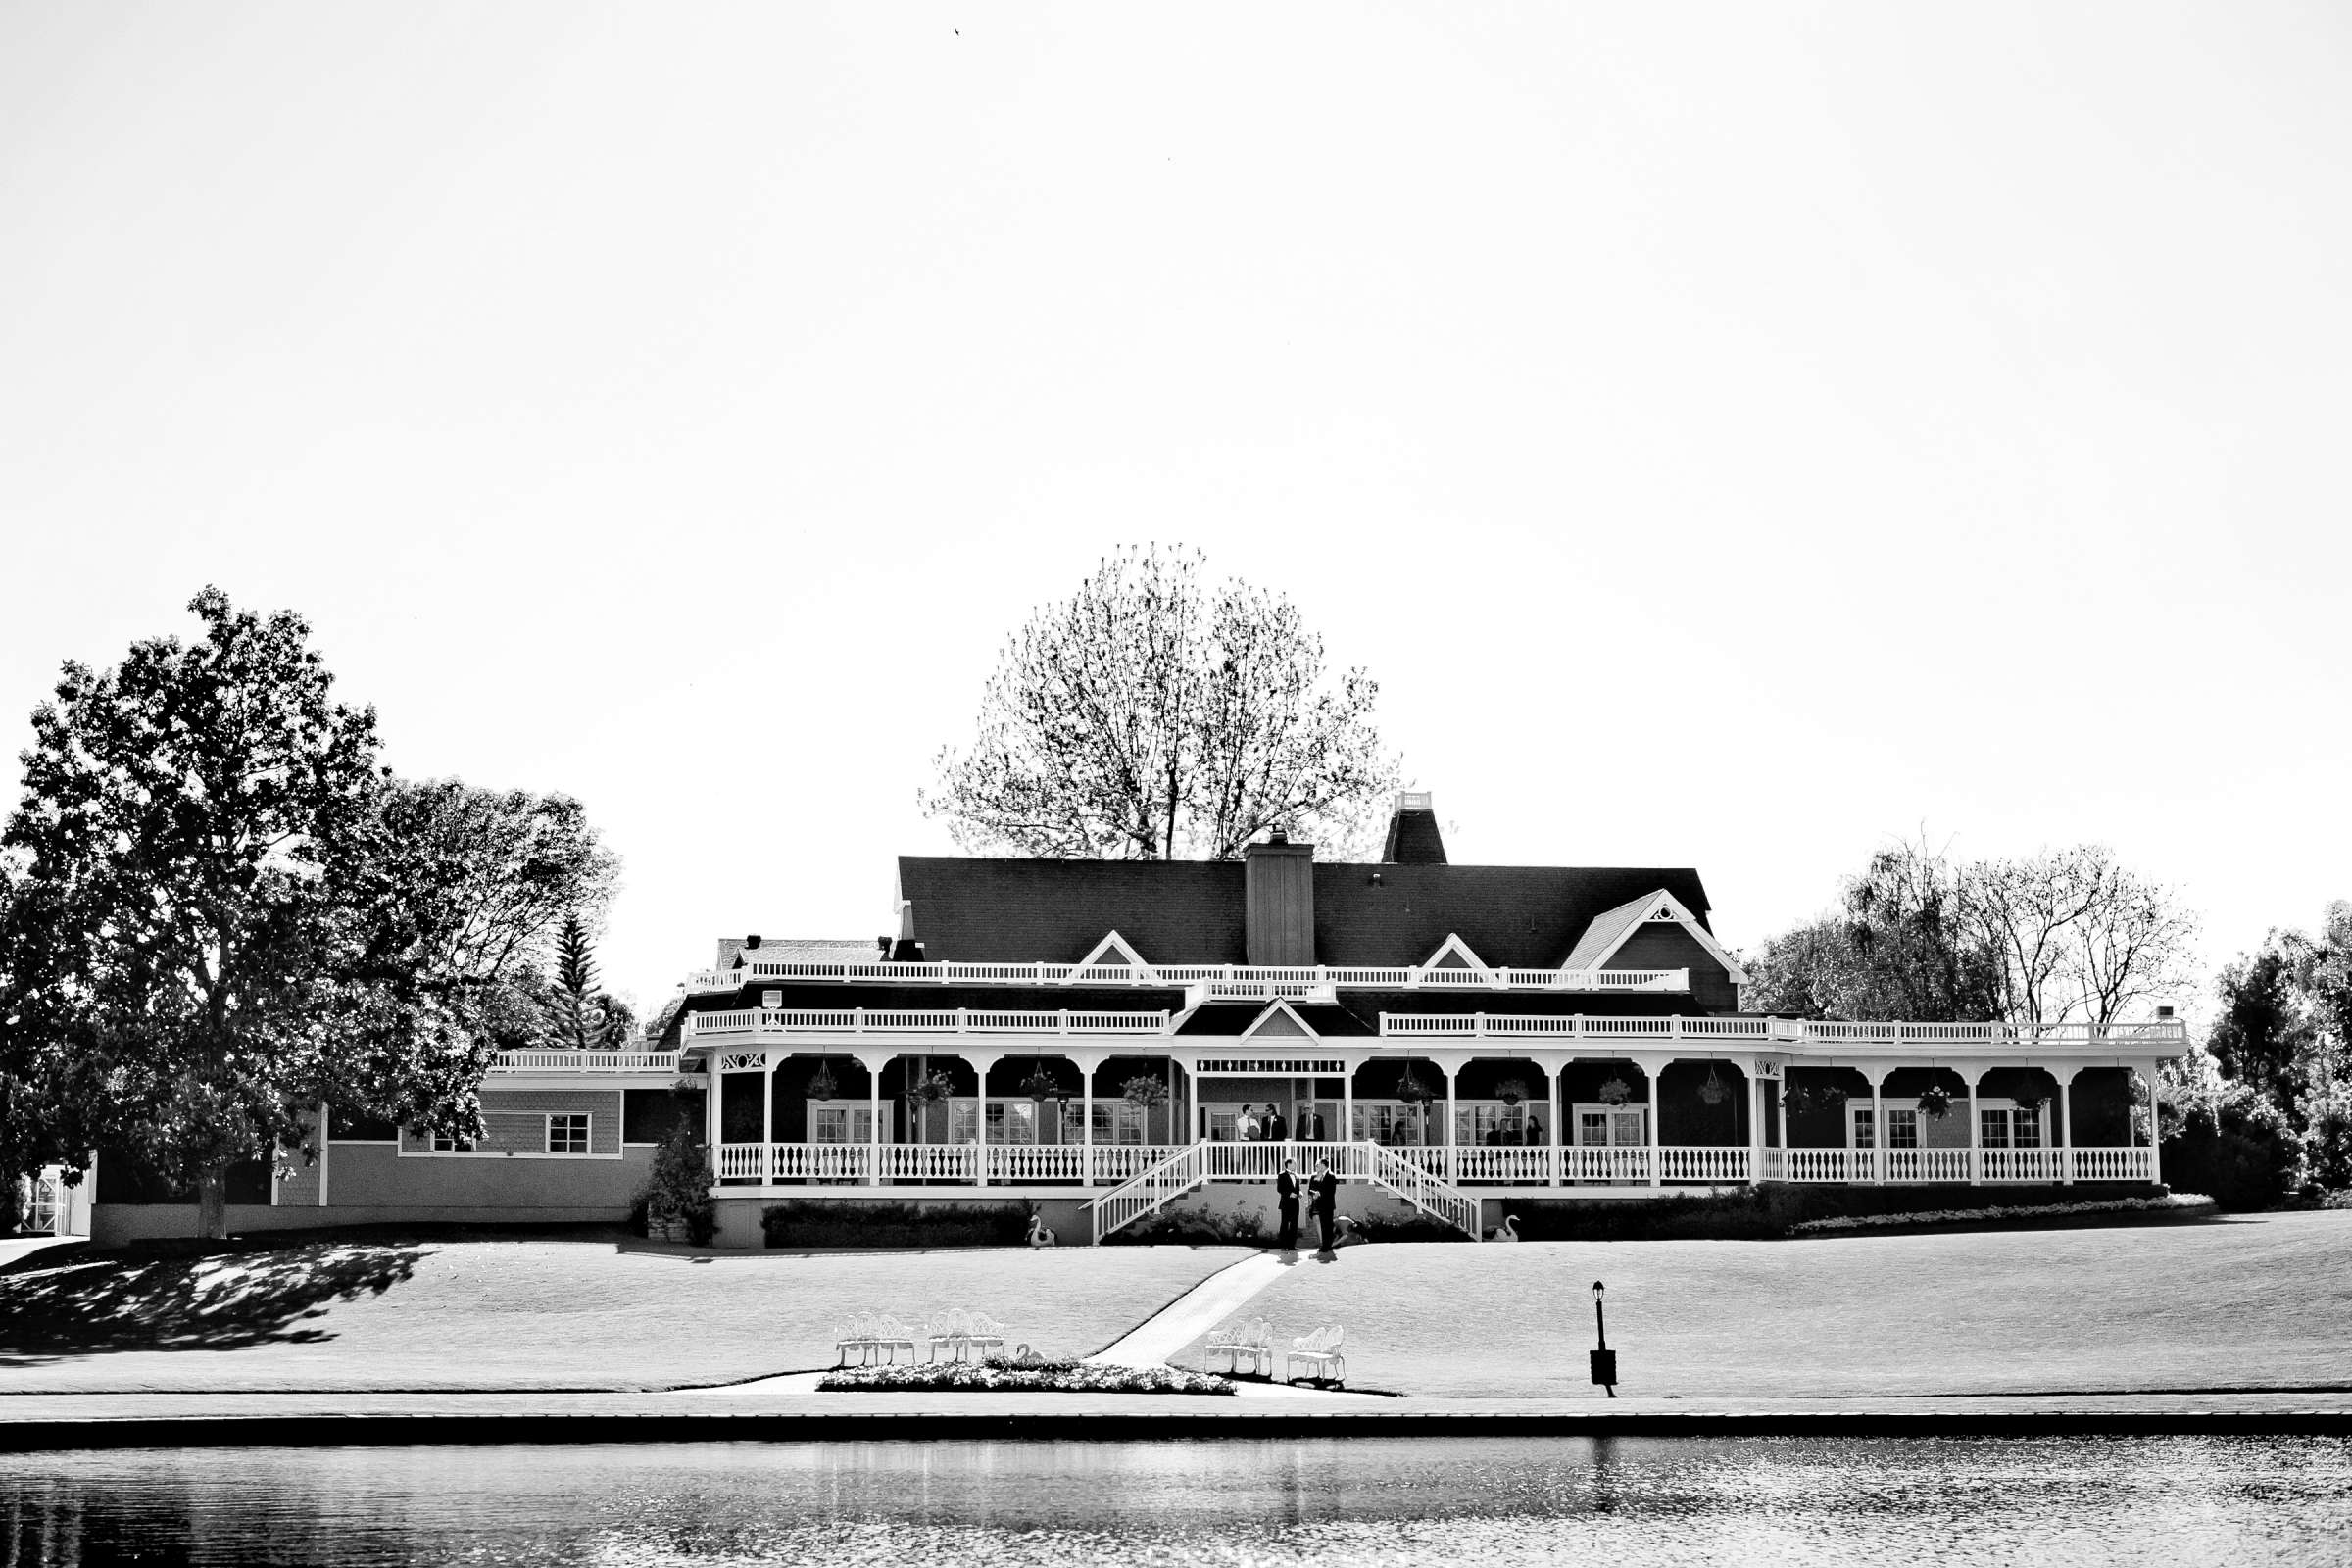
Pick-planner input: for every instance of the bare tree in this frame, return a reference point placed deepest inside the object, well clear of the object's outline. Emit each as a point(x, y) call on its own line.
point(2133, 946)
point(2079, 934)
point(1139, 719)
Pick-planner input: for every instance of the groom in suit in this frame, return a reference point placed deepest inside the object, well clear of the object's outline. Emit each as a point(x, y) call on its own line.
point(1324, 1189)
point(1286, 1196)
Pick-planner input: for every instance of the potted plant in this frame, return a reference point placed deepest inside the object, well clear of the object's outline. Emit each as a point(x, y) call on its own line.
point(1416, 1094)
point(1512, 1091)
point(1616, 1092)
point(1936, 1101)
point(821, 1087)
point(928, 1088)
point(1145, 1093)
point(1041, 1086)
point(1714, 1091)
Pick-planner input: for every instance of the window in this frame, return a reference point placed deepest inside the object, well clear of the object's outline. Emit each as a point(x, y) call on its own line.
point(1012, 1121)
point(1601, 1126)
point(1122, 1123)
point(2025, 1127)
point(1902, 1129)
point(568, 1135)
point(964, 1121)
point(1865, 1128)
point(443, 1143)
point(1993, 1126)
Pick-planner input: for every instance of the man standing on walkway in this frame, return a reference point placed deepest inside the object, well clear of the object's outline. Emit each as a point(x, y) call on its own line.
point(1286, 1198)
point(1324, 1188)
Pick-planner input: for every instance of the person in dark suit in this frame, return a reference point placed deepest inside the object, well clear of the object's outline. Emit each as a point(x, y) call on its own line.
point(1323, 1191)
point(1310, 1127)
point(1535, 1133)
point(1277, 1129)
point(1286, 1198)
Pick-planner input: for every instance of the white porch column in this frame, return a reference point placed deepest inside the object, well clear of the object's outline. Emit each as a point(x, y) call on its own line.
point(1087, 1067)
point(2066, 1123)
point(1756, 1125)
point(1453, 1134)
point(715, 1091)
point(1975, 1128)
point(326, 1136)
point(767, 1118)
point(1656, 1068)
point(873, 1107)
point(1877, 1124)
point(1347, 1103)
point(1551, 1119)
point(980, 1068)
point(2146, 1073)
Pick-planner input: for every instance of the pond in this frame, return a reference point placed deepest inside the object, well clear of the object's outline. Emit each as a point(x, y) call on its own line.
point(1623, 1501)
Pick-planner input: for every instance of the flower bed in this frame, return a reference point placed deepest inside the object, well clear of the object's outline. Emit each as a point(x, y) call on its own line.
point(1053, 1377)
point(2175, 1202)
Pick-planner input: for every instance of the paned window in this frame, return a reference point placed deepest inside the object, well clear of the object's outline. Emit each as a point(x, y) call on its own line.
point(2026, 1127)
point(443, 1143)
point(1902, 1129)
point(1865, 1127)
point(841, 1124)
point(1012, 1121)
point(1993, 1126)
point(1122, 1123)
point(568, 1135)
point(964, 1121)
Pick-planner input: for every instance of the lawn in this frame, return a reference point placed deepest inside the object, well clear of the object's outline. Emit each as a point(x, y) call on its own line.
point(534, 1314)
point(2248, 1302)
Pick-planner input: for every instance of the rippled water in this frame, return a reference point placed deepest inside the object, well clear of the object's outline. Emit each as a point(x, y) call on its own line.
point(1622, 1502)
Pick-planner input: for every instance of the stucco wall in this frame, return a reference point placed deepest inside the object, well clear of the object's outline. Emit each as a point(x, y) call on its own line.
point(377, 1174)
point(515, 1122)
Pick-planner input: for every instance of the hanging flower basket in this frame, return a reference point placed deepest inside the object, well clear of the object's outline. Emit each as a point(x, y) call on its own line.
point(1714, 1091)
point(1145, 1092)
point(1041, 1086)
point(1412, 1091)
point(1936, 1101)
point(1616, 1092)
point(821, 1086)
point(1512, 1091)
point(2032, 1101)
point(930, 1088)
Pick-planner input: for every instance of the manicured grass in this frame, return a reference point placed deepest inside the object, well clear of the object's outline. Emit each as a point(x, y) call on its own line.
point(534, 1314)
point(2244, 1301)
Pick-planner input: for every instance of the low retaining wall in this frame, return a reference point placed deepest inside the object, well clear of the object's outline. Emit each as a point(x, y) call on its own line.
point(113, 1224)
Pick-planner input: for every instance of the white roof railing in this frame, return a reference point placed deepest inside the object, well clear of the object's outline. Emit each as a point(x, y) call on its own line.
point(598, 1061)
point(2163, 1035)
point(1169, 976)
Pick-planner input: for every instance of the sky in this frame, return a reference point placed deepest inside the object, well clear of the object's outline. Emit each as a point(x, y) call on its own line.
point(1733, 435)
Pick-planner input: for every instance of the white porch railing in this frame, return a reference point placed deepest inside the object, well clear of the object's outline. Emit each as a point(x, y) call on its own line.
point(761, 1021)
point(1150, 1189)
point(1582, 1026)
point(1482, 1165)
point(1422, 1188)
point(757, 971)
point(585, 1061)
point(1847, 1038)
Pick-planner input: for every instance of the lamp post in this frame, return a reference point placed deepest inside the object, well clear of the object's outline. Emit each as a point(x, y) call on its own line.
point(1604, 1359)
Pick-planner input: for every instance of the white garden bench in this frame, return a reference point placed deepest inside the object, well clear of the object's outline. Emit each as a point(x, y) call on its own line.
point(869, 1333)
point(962, 1334)
point(1253, 1337)
point(1320, 1350)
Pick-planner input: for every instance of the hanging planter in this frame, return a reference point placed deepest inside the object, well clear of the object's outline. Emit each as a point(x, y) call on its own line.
point(1041, 1086)
point(1145, 1092)
point(1936, 1101)
point(821, 1086)
point(1616, 1092)
point(1714, 1091)
point(1512, 1091)
point(1412, 1091)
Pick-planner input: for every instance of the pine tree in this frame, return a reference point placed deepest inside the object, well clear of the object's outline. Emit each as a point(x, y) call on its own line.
point(580, 1016)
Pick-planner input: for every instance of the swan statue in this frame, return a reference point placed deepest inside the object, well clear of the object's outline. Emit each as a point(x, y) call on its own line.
point(1039, 1236)
point(1507, 1231)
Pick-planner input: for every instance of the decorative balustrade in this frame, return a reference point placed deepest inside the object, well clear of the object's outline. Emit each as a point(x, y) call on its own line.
point(1106, 1165)
point(650, 1061)
point(772, 971)
point(1791, 1034)
point(757, 1021)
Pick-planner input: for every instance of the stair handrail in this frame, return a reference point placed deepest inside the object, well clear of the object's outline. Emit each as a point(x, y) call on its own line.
point(1178, 1173)
point(1422, 1188)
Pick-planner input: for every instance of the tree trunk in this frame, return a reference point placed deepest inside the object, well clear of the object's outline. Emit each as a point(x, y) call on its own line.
point(212, 1204)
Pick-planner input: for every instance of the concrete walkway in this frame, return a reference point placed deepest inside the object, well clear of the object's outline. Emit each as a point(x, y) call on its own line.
point(1194, 1314)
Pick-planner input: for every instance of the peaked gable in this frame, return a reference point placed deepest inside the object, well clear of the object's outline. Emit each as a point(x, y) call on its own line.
point(1453, 953)
point(1612, 929)
point(1279, 1021)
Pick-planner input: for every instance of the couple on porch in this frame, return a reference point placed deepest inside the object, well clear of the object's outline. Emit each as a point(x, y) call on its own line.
point(1324, 1187)
point(1250, 1127)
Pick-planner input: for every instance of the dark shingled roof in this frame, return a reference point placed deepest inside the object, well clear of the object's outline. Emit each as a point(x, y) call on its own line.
point(976, 910)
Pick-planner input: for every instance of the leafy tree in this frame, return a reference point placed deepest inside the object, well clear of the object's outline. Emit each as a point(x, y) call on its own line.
point(2045, 938)
point(188, 820)
point(2280, 1040)
point(225, 913)
point(1146, 717)
point(677, 1191)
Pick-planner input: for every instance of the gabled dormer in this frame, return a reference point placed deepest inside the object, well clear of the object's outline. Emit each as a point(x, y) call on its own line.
point(1657, 931)
point(1279, 1023)
point(1114, 951)
point(1454, 962)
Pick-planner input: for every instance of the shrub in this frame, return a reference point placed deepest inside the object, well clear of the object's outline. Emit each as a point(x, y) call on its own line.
point(998, 1374)
point(2240, 1151)
point(1194, 1227)
point(803, 1223)
point(676, 1196)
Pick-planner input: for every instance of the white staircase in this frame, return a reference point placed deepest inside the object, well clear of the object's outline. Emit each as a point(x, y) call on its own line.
point(1155, 1187)
point(1440, 1199)
point(1149, 1190)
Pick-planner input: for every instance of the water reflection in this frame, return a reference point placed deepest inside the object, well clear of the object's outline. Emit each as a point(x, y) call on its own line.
point(1363, 1500)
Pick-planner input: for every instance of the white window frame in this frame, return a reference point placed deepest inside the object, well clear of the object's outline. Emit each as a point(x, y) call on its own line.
point(587, 1121)
point(1615, 1127)
point(1117, 1122)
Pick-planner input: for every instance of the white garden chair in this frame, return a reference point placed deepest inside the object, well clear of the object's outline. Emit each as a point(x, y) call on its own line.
point(1320, 1350)
point(963, 1335)
point(1253, 1337)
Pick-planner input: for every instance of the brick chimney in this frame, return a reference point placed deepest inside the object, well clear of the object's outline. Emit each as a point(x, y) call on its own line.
point(1279, 900)
point(1413, 837)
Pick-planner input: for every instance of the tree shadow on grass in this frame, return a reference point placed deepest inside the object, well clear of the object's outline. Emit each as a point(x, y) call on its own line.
point(222, 1302)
